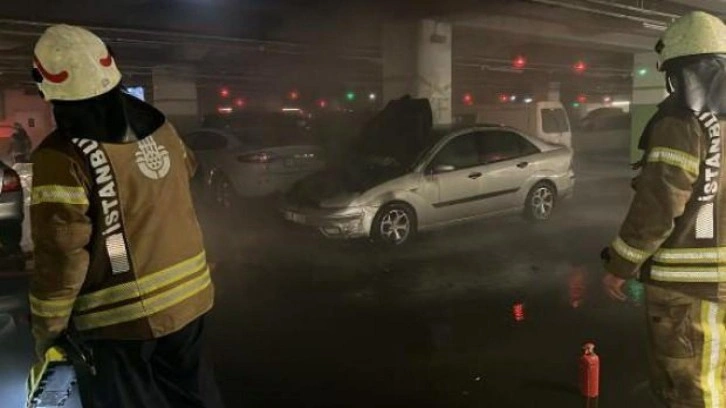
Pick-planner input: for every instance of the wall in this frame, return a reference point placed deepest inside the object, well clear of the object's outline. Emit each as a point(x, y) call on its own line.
point(30, 110)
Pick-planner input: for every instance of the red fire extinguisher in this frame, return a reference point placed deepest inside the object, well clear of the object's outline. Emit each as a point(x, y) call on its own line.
point(590, 375)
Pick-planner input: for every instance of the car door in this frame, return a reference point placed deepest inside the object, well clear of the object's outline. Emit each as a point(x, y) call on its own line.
point(506, 156)
point(455, 171)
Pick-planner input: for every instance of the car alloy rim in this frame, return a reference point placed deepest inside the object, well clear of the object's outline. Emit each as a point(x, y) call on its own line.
point(395, 226)
point(224, 194)
point(543, 200)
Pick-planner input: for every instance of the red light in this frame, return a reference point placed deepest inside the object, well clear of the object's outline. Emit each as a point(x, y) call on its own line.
point(518, 312)
point(322, 103)
point(503, 98)
point(240, 103)
point(294, 95)
point(224, 93)
point(582, 98)
point(468, 99)
point(10, 181)
point(519, 62)
point(579, 67)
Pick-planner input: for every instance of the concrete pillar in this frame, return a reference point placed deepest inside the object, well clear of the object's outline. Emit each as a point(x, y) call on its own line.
point(417, 62)
point(175, 94)
point(547, 92)
point(648, 91)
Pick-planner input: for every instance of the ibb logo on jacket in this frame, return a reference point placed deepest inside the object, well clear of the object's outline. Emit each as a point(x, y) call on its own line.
point(153, 159)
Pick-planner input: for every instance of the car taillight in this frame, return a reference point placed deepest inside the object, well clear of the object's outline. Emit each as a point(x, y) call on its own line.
point(257, 158)
point(11, 181)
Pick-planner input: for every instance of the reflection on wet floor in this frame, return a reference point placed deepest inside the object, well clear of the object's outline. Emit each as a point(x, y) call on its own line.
point(302, 321)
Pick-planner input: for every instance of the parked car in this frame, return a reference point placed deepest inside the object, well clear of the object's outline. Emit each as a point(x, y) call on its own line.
point(405, 182)
point(605, 119)
point(251, 159)
point(547, 121)
point(11, 213)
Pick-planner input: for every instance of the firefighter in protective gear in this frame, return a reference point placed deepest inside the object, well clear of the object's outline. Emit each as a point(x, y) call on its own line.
point(119, 256)
point(674, 236)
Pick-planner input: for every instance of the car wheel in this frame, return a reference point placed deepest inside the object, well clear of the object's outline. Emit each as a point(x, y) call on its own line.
point(223, 192)
point(394, 225)
point(540, 202)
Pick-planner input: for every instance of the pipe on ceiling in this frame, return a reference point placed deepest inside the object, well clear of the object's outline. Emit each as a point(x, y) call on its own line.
point(585, 9)
point(634, 8)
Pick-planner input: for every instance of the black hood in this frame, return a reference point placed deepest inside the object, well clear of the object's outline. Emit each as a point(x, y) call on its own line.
point(400, 131)
point(699, 82)
point(107, 118)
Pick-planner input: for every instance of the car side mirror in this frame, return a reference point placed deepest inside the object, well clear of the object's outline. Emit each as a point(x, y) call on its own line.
point(443, 168)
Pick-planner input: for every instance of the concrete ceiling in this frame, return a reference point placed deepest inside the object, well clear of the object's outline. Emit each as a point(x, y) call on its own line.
point(329, 46)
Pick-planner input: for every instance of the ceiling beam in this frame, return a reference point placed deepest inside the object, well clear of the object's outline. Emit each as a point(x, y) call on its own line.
point(560, 33)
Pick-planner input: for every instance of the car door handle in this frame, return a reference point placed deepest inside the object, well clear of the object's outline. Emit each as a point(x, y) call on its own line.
point(523, 165)
point(474, 176)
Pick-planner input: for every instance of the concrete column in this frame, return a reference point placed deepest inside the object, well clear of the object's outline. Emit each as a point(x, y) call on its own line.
point(648, 91)
point(417, 62)
point(175, 94)
point(549, 91)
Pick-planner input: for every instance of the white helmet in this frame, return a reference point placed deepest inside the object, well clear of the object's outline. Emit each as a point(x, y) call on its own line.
point(695, 33)
point(73, 64)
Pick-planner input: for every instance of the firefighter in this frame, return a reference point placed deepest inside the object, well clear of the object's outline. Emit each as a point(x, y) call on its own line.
point(674, 236)
point(119, 257)
point(21, 145)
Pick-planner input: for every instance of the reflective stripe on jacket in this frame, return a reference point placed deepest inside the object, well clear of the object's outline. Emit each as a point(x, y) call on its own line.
point(672, 235)
point(119, 251)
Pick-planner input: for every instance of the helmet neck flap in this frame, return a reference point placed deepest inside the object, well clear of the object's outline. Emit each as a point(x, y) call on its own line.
point(698, 82)
point(114, 117)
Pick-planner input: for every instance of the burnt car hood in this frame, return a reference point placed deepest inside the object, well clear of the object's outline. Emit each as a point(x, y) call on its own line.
point(341, 183)
point(387, 147)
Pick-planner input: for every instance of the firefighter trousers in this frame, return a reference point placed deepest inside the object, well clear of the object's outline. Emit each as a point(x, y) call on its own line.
point(687, 349)
point(168, 372)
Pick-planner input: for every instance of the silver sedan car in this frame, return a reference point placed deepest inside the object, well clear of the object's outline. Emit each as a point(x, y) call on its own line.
point(11, 212)
point(460, 174)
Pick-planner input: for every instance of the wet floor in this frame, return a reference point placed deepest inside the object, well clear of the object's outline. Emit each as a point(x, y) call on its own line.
point(305, 322)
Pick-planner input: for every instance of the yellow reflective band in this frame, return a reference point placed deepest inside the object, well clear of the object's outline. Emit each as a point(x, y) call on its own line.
point(705, 274)
point(690, 255)
point(145, 307)
point(675, 158)
point(712, 360)
point(142, 286)
point(51, 308)
point(633, 255)
point(58, 195)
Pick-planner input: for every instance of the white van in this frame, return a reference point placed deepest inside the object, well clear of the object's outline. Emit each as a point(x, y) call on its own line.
point(547, 121)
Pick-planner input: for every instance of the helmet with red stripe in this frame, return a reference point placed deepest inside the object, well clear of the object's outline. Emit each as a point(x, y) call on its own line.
point(72, 64)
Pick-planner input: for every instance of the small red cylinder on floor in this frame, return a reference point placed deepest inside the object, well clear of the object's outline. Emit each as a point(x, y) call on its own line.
point(589, 372)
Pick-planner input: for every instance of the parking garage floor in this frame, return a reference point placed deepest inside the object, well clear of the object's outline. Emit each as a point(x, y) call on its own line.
point(305, 322)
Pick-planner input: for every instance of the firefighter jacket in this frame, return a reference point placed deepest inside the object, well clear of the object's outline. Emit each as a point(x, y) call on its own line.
point(118, 249)
point(674, 234)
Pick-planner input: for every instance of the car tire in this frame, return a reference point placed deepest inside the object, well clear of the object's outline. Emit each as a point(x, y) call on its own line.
point(222, 193)
point(540, 202)
point(394, 225)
